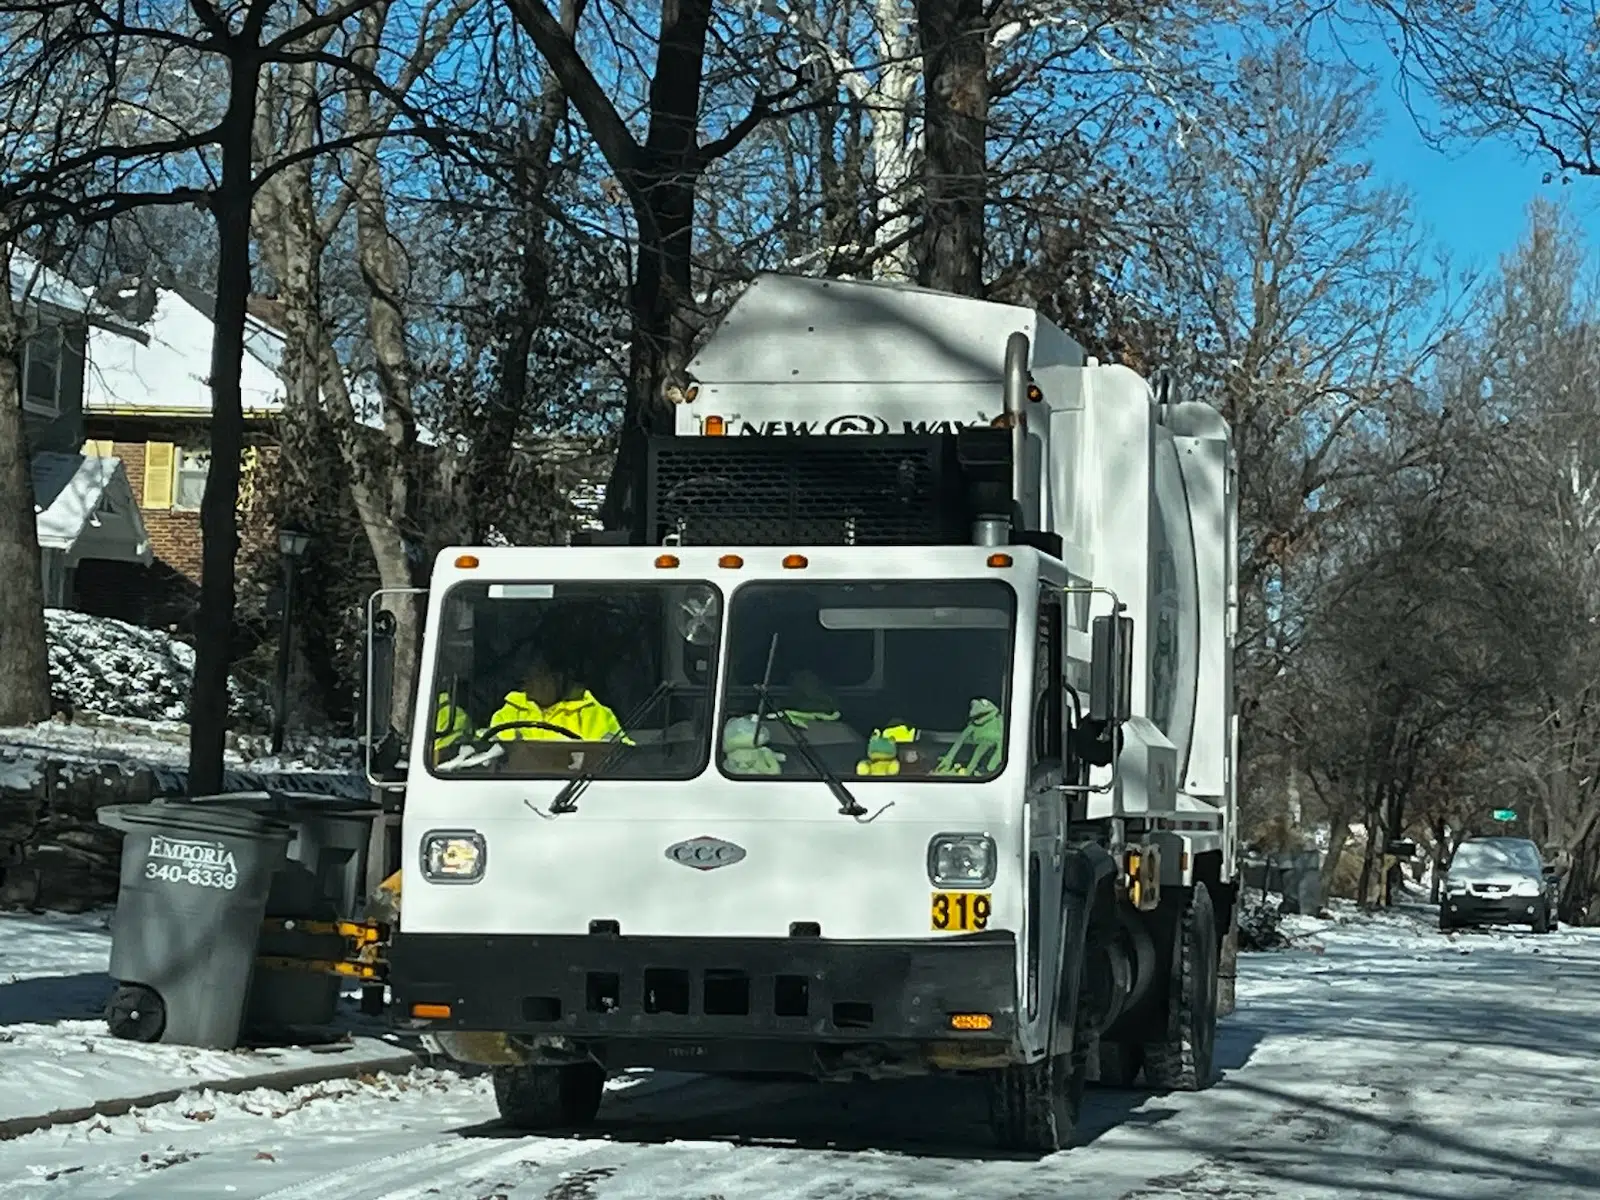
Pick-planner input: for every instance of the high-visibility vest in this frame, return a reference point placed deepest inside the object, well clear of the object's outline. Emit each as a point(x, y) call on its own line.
point(585, 716)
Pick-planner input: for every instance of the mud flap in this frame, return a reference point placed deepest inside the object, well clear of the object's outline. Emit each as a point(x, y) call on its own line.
point(1085, 869)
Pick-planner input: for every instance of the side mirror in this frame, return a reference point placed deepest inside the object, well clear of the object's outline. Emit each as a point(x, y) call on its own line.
point(383, 750)
point(1111, 671)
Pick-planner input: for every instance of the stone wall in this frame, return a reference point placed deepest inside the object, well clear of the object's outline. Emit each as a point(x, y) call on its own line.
point(55, 854)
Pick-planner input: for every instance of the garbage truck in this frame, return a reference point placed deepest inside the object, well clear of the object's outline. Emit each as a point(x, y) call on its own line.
point(895, 737)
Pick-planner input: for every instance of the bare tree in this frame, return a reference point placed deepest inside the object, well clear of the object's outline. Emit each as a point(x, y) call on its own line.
point(24, 668)
point(1524, 72)
point(659, 176)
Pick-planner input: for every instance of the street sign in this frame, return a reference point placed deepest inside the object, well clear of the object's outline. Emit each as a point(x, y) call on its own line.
point(1505, 814)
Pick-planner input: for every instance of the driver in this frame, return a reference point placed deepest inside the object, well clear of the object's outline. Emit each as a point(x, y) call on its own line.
point(553, 693)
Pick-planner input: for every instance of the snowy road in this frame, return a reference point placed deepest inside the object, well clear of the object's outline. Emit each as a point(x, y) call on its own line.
point(1397, 1063)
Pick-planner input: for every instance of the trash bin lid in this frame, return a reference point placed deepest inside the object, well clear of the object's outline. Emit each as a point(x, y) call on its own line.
point(286, 804)
point(215, 820)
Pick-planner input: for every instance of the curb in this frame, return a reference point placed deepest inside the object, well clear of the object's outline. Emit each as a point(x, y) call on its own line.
point(401, 1062)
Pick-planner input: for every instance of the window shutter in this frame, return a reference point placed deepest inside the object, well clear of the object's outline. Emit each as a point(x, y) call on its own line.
point(99, 448)
point(159, 461)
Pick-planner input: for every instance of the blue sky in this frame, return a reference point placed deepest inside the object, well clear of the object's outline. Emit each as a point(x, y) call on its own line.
point(1474, 196)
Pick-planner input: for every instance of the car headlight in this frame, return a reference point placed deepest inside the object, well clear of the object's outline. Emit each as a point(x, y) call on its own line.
point(1526, 887)
point(961, 860)
point(1453, 887)
point(453, 856)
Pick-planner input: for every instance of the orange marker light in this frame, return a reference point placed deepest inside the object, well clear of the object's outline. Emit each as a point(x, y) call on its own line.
point(972, 1021)
point(715, 427)
point(731, 561)
point(794, 562)
point(666, 561)
point(431, 1012)
point(1034, 394)
point(467, 562)
point(999, 560)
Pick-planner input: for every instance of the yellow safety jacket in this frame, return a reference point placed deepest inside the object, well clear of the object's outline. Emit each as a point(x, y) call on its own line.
point(450, 725)
point(585, 716)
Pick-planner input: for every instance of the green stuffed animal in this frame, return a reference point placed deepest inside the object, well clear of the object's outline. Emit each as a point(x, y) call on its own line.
point(985, 733)
point(883, 756)
point(745, 750)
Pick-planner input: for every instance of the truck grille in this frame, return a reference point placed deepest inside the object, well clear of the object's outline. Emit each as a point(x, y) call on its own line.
point(798, 490)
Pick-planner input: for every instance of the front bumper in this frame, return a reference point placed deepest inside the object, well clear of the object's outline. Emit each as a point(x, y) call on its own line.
point(1468, 909)
point(601, 990)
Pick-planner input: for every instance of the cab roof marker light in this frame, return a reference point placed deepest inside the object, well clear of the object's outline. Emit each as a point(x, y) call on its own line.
point(714, 427)
point(999, 560)
point(731, 561)
point(794, 562)
point(466, 562)
point(666, 562)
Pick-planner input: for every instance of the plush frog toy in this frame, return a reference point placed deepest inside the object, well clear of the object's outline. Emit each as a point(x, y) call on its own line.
point(745, 750)
point(883, 750)
point(984, 732)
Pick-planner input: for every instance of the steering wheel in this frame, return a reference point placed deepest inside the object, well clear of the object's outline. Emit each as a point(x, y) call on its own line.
point(487, 735)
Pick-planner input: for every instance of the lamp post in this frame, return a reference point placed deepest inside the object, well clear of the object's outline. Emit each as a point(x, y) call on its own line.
point(292, 545)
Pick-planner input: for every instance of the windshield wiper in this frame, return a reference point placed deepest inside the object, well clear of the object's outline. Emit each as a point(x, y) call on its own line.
point(566, 800)
point(849, 806)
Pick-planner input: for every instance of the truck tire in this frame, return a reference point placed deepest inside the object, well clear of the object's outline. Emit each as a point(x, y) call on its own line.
point(1034, 1107)
point(1185, 1063)
point(536, 1099)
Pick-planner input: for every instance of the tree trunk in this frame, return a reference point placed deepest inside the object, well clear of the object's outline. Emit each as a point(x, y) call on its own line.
point(219, 529)
point(660, 178)
point(24, 662)
point(955, 72)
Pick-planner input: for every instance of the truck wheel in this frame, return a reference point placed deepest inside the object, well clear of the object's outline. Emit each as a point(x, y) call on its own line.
point(535, 1099)
point(1184, 1064)
point(1034, 1107)
point(1120, 1063)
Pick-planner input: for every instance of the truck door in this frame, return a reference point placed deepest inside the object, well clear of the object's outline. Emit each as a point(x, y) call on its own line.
point(1046, 822)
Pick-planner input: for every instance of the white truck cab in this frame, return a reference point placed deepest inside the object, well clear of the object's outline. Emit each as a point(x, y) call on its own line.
point(897, 738)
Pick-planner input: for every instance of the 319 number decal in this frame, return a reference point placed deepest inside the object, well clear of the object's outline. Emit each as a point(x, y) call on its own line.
point(961, 912)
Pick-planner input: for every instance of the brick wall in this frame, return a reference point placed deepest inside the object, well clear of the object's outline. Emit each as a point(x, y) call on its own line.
point(160, 595)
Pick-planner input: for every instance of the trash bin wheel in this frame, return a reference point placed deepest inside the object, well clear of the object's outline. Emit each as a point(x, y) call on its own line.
point(136, 1013)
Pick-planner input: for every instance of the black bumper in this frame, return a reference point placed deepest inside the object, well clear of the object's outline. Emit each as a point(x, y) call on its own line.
point(599, 988)
point(1491, 910)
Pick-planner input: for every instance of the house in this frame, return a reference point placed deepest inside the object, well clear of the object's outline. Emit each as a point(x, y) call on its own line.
point(84, 506)
point(148, 405)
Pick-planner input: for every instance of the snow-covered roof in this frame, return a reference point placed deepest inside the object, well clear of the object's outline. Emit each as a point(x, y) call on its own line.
point(34, 283)
point(169, 375)
point(84, 507)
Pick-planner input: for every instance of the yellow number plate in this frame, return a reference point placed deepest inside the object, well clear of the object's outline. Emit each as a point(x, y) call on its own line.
point(960, 912)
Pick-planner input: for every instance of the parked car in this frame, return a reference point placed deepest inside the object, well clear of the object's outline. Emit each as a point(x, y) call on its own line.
point(1498, 881)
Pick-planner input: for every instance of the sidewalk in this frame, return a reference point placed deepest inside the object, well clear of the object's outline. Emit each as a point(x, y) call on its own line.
point(59, 1064)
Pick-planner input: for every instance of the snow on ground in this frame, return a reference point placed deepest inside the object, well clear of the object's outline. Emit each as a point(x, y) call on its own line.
point(1378, 1059)
point(55, 1051)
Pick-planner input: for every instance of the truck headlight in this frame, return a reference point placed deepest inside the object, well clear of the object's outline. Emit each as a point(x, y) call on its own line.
point(453, 856)
point(961, 860)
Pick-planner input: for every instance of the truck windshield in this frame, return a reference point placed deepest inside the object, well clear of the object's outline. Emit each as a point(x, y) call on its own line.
point(903, 680)
point(557, 680)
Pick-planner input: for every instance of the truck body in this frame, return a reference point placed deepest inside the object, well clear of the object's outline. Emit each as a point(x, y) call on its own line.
point(921, 655)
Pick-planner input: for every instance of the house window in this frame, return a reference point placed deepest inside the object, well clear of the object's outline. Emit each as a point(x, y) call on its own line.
point(189, 479)
point(41, 372)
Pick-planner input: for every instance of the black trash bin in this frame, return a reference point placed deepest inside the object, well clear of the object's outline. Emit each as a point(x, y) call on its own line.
point(193, 891)
point(321, 878)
